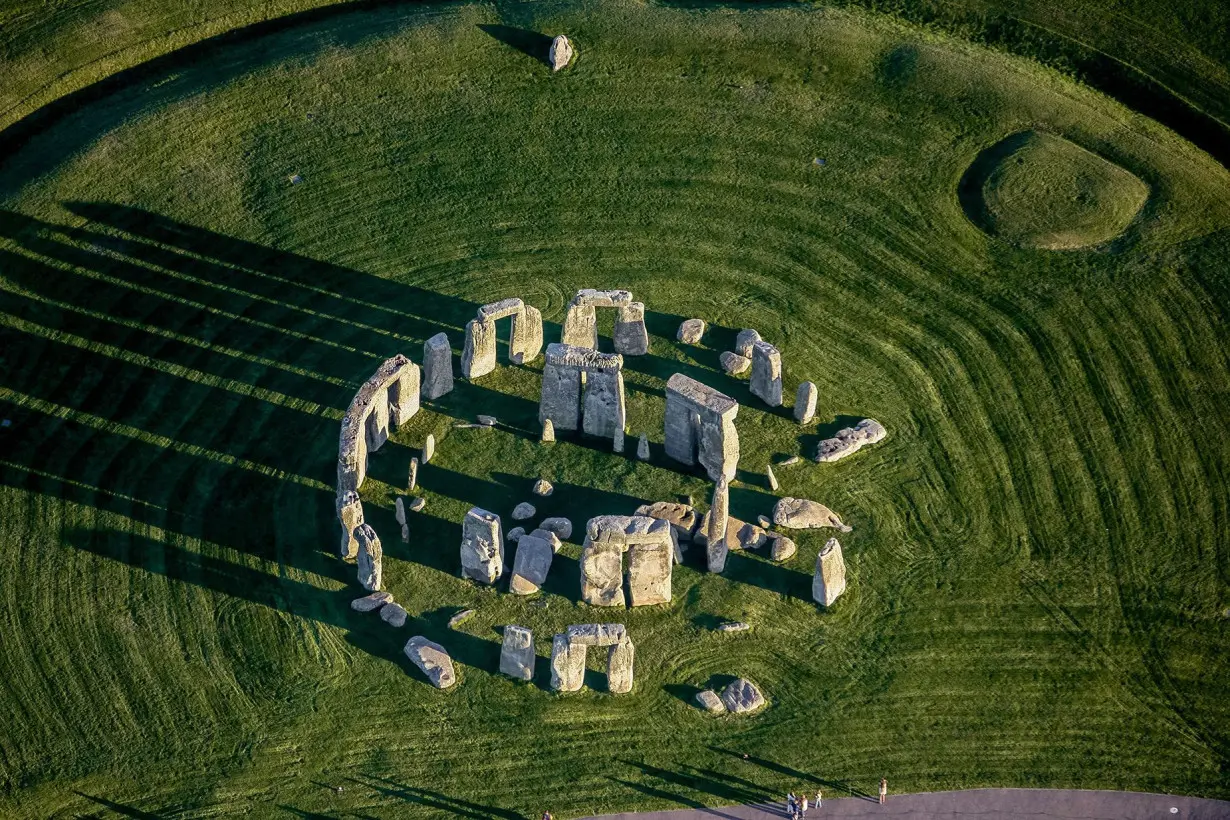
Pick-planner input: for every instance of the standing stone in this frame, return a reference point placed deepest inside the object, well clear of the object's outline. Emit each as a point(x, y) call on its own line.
point(478, 356)
point(602, 572)
point(767, 373)
point(530, 565)
point(830, 579)
point(350, 516)
point(399, 512)
point(580, 326)
point(548, 431)
point(617, 441)
point(719, 514)
point(482, 547)
point(631, 337)
point(405, 394)
point(517, 653)
point(561, 393)
point(526, 335)
point(437, 367)
point(371, 558)
point(377, 432)
point(604, 403)
point(768, 471)
point(619, 667)
point(432, 660)
point(567, 664)
point(642, 448)
point(744, 342)
point(691, 331)
point(649, 572)
point(700, 426)
point(412, 478)
point(560, 53)
point(429, 448)
point(805, 403)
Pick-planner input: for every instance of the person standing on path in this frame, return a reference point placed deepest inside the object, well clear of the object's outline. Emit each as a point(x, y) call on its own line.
point(883, 789)
point(803, 807)
point(790, 804)
point(819, 796)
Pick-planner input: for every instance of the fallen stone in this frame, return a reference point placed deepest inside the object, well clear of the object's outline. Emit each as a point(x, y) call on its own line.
point(523, 511)
point(792, 460)
point(781, 548)
point(744, 342)
point(461, 617)
point(550, 537)
point(548, 431)
point(393, 614)
point(543, 487)
point(369, 602)
point(742, 696)
point(691, 331)
point(768, 472)
point(642, 447)
point(735, 626)
point(560, 526)
point(530, 565)
point(515, 534)
point(517, 653)
point(560, 53)
point(805, 403)
point(418, 504)
point(433, 660)
point(429, 448)
point(739, 535)
point(682, 517)
point(734, 364)
point(487, 421)
point(850, 440)
point(801, 514)
point(829, 580)
point(708, 700)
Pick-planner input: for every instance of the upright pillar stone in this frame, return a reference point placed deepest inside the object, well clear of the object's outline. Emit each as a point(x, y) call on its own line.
point(478, 357)
point(482, 546)
point(437, 367)
point(604, 403)
point(631, 337)
point(619, 662)
point(700, 426)
point(567, 664)
point(580, 327)
point(371, 558)
point(517, 653)
point(767, 373)
point(719, 517)
point(602, 568)
point(681, 429)
point(805, 403)
point(350, 516)
point(404, 395)
point(378, 420)
point(561, 391)
point(526, 342)
point(830, 579)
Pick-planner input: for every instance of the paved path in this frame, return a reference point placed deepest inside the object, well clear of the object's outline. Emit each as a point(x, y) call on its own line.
point(977, 804)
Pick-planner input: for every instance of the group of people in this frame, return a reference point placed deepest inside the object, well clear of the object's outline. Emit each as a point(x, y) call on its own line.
point(797, 806)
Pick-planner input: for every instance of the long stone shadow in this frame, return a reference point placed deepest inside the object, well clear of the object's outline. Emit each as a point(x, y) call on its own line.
point(122, 809)
point(731, 790)
point(836, 785)
point(530, 43)
point(438, 801)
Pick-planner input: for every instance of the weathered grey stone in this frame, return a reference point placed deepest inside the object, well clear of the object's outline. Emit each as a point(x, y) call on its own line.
point(412, 478)
point(500, 310)
point(399, 512)
point(651, 548)
point(742, 696)
point(792, 460)
point(526, 342)
point(649, 571)
point(560, 53)
point(437, 367)
point(715, 532)
point(548, 431)
point(801, 514)
point(378, 421)
point(558, 525)
point(433, 660)
point(682, 517)
point(597, 634)
point(543, 487)
point(850, 440)
point(781, 548)
point(349, 516)
point(560, 403)
point(767, 373)
point(744, 341)
point(829, 580)
point(602, 572)
point(603, 298)
point(404, 394)
point(763, 521)
point(567, 664)
point(429, 448)
point(517, 653)
point(487, 421)
point(617, 441)
point(630, 336)
point(371, 558)
point(482, 547)
point(768, 472)
point(523, 511)
point(550, 537)
point(739, 535)
point(734, 364)
point(734, 626)
point(460, 618)
point(708, 700)
point(603, 415)
point(580, 326)
point(700, 426)
point(805, 403)
point(691, 331)
point(619, 667)
point(478, 355)
point(515, 534)
point(393, 614)
point(390, 396)
point(530, 565)
point(418, 504)
point(642, 447)
point(370, 602)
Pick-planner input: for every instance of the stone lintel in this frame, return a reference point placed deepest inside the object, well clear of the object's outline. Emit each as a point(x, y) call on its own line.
point(582, 358)
point(500, 309)
point(702, 396)
point(602, 298)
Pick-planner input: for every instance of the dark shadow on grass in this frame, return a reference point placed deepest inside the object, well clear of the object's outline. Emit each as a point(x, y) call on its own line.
point(530, 43)
point(683, 692)
point(438, 801)
point(704, 782)
point(120, 808)
point(840, 786)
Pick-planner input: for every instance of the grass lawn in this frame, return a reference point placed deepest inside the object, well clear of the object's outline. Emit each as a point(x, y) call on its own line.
point(199, 270)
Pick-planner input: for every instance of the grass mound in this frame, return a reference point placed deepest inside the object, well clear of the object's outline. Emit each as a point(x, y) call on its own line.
point(1039, 190)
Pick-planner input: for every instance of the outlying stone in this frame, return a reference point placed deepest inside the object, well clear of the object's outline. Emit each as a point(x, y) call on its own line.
point(558, 525)
point(708, 700)
point(781, 548)
point(433, 660)
point(560, 53)
point(734, 364)
point(736, 626)
point(691, 331)
point(482, 547)
point(370, 602)
point(805, 403)
point(850, 440)
point(371, 558)
point(767, 373)
point(530, 565)
point(801, 514)
point(642, 447)
point(543, 487)
point(517, 653)
point(742, 696)
point(523, 511)
point(700, 426)
point(829, 580)
point(393, 614)
point(437, 367)
point(744, 341)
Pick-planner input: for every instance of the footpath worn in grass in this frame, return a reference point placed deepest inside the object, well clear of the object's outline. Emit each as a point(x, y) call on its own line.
point(199, 271)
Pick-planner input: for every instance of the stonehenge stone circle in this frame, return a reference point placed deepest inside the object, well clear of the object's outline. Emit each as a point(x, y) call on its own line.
point(744, 342)
point(388, 399)
point(850, 440)
point(437, 367)
point(433, 660)
point(830, 579)
point(517, 653)
point(350, 516)
point(560, 53)
point(371, 558)
point(801, 514)
point(708, 700)
point(562, 527)
point(651, 553)
point(690, 331)
point(733, 364)
point(700, 426)
point(548, 431)
point(718, 521)
point(530, 565)
point(524, 342)
point(482, 547)
point(630, 336)
point(642, 447)
point(767, 373)
point(567, 368)
point(568, 651)
point(805, 403)
point(371, 602)
point(393, 614)
point(742, 696)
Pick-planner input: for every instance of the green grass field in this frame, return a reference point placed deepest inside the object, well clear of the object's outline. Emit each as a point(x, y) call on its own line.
point(1039, 564)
